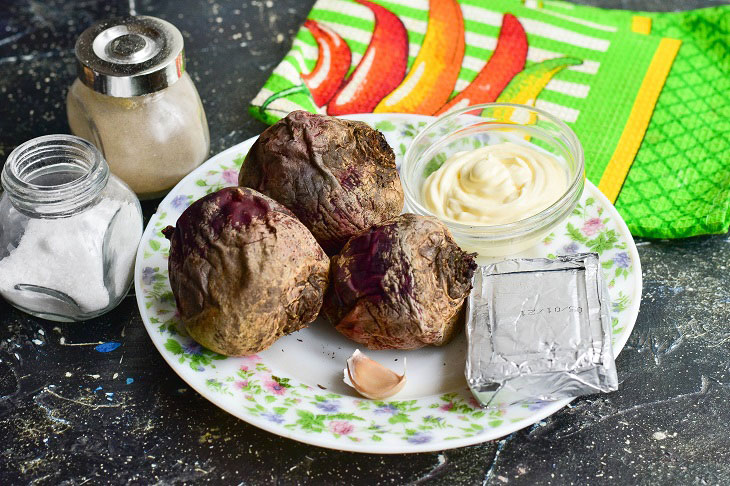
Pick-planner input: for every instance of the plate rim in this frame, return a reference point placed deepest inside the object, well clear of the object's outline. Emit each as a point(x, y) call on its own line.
point(323, 441)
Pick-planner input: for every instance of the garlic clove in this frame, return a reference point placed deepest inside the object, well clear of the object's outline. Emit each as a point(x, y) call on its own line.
point(371, 379)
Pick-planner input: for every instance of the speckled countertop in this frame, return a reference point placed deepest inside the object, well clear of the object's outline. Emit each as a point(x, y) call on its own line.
point(72, 415)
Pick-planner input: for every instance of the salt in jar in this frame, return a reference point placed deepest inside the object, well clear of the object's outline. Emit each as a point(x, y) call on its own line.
point(69, 230)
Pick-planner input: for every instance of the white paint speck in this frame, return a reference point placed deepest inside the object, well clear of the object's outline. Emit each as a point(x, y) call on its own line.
point(69, 374)
point(659, 436)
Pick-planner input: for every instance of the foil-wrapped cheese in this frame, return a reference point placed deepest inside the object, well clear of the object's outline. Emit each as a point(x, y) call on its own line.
point(539, 329)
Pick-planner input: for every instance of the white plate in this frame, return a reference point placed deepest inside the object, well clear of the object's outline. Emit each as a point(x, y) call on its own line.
point(295, 389)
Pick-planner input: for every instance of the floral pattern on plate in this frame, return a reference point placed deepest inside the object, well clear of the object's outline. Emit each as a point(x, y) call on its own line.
point(249, 388)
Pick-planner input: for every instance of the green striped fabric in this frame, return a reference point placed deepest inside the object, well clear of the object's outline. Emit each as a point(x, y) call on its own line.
point(679, 183)
point(595, 98)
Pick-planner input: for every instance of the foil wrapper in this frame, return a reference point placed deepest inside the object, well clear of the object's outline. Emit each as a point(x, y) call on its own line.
point(539, 329)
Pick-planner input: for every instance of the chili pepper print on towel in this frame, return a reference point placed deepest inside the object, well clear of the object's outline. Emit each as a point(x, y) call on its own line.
point(381, 68)
point(332, 64)
point(432, 77)
point(526, 86)
point(506, 61)
point(379, 83)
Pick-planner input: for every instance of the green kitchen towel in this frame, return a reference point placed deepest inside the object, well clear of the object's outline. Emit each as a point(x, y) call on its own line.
point(679, 183)
point(591, 67)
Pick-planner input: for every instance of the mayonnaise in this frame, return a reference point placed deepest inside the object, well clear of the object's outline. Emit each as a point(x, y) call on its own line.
point(494, 184)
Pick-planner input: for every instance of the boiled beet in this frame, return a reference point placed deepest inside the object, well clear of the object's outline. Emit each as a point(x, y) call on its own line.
point(400, 285)
point(244, 271)
point(337, 176)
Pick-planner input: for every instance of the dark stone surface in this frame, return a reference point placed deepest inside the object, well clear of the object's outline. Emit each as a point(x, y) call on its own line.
point(668, 423)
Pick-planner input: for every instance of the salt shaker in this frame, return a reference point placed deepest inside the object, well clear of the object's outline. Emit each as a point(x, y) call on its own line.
point(135, 101)
point(69, 230)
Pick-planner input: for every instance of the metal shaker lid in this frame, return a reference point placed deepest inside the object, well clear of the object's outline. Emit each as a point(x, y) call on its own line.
point(130, 56)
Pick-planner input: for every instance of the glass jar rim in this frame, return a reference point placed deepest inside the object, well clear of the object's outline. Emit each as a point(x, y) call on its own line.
point(525, 224)
point(50, 154)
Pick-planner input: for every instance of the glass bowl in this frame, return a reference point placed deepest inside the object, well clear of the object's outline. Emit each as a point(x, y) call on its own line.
point(487, 124)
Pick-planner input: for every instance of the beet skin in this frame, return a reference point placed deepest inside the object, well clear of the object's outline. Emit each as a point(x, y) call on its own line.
point(400, 285)
point(337, 176)
point(244, 271)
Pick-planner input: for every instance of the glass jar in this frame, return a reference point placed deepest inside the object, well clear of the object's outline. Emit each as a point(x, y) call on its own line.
point(69, 230)
point(489, 124)
point(134, 100)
